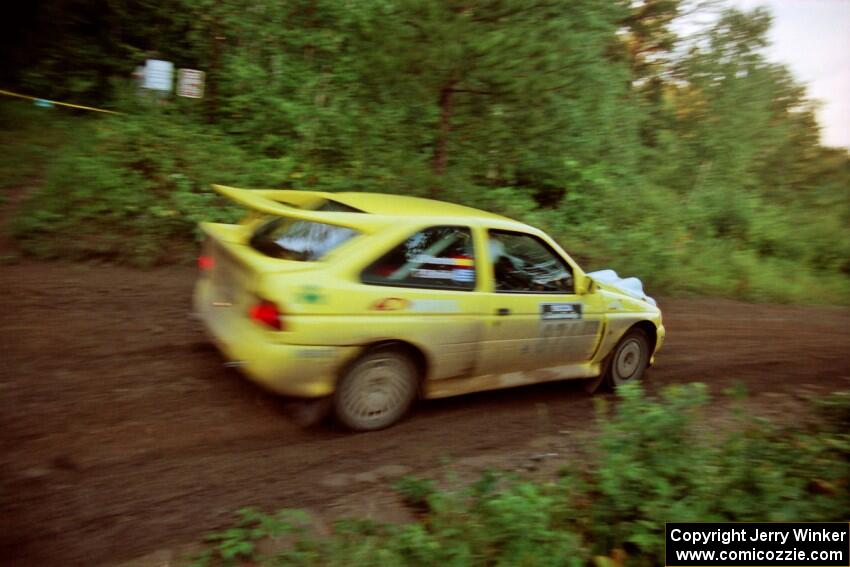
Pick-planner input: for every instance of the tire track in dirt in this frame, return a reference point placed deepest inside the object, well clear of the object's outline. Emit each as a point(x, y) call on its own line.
point(123, 434)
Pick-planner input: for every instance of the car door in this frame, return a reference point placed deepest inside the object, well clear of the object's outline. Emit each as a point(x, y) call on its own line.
point(535, 318)
point(423, 291)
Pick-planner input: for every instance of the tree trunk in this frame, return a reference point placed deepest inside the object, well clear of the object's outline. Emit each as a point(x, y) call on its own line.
point(213, 74)
point(440, 160)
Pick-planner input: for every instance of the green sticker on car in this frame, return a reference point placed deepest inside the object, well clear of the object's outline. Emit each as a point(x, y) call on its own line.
point(311, 294)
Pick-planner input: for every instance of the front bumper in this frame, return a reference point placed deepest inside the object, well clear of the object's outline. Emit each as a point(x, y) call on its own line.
point(306, 371)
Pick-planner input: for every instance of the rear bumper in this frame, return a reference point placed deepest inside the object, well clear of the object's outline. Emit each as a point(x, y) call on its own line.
point(292, 370)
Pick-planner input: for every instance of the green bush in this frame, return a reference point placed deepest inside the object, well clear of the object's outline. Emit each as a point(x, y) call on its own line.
point(30, 138)
point(653, 461)
point(516, 523)
point(699, 170)
point(657, 463)
point(131, 188)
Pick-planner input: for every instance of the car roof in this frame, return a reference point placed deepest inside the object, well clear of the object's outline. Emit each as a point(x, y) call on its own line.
point(404, 205)
point(383, 209)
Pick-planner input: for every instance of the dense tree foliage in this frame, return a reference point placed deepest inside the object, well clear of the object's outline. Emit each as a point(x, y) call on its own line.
point(695, 163)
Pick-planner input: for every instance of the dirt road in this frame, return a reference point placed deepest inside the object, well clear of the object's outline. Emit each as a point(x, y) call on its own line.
point(121, 432)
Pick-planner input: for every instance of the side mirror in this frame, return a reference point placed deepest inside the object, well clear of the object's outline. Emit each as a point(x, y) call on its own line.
point(585, 285)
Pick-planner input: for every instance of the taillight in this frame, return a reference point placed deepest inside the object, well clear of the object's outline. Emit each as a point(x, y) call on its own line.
point(206, 262)
point(266, 313)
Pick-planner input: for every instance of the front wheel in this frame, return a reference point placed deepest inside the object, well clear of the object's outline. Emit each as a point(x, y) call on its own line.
point(376, 390)
point(629, 359)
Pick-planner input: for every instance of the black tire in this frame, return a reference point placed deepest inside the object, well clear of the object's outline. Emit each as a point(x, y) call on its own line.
point(629, 359)
point(376, 390)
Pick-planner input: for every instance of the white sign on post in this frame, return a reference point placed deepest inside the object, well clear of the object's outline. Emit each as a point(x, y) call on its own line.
point(159, 75)
point(190, 83)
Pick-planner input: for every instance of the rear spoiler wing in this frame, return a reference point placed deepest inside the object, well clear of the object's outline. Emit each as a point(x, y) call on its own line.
point(280, 202)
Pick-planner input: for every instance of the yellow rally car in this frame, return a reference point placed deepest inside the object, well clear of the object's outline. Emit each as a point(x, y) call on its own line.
point(364, 302)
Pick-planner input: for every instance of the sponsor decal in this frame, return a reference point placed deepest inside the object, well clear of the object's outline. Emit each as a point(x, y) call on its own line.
point(431, 274)
point(390, 304)
point(314, 353)
point(434, 306)
point(459, 269)
point(558, 311)
point(564, 337)
point(464, 269)
point(310, 294)
point(463, 275)
point(463, 261)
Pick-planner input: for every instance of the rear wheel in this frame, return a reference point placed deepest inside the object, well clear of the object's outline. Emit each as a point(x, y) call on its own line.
point(376, 390)
point(629, 359)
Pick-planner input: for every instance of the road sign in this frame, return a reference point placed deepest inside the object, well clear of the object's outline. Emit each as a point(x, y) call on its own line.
point(159, 75)
point(190, 83)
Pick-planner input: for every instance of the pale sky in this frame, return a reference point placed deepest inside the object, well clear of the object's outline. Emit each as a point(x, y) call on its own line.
point(812, 37)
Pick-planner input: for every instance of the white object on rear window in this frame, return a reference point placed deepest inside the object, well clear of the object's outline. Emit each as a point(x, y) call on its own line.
point(629, 286)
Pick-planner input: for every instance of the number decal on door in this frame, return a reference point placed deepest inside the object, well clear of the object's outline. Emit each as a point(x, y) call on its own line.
point(560, 311)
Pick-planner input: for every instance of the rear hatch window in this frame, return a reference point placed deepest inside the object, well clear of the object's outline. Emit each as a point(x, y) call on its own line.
point(304, 241)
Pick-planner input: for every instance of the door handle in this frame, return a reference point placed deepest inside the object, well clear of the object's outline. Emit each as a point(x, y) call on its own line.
point(503, 311)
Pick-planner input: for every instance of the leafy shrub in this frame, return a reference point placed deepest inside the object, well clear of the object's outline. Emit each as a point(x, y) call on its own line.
point(654, 461)
point(519, 524)
point(30, 137)
point(131, 188)
point(239, 543)
point(657, 463)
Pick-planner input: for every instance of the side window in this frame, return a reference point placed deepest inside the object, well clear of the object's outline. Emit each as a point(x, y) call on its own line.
point(440, 257)
point(523, 263)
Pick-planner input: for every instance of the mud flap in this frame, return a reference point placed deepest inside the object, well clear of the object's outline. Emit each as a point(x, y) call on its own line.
point(593, 385)
point(309, 413)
